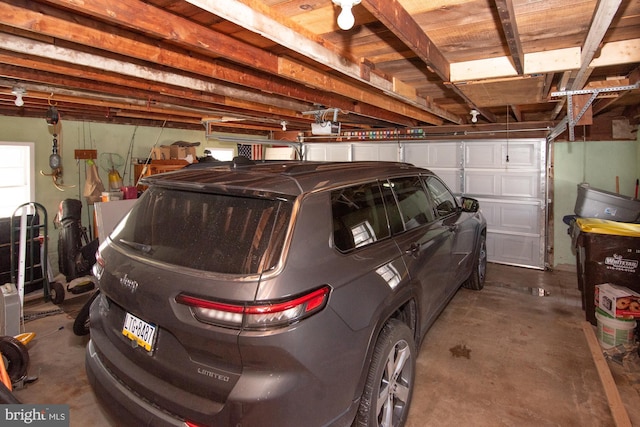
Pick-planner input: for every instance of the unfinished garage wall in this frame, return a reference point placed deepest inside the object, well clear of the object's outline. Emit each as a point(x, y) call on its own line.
point(74, 135)
point(597, 163)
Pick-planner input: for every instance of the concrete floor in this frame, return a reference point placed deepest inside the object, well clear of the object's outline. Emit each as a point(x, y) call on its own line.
point(504, 356)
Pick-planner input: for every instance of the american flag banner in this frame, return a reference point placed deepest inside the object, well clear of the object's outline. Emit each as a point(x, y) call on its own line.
point(251, 151)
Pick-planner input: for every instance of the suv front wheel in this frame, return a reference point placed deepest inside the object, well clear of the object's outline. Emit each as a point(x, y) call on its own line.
point(389, 386)
point(478, 274)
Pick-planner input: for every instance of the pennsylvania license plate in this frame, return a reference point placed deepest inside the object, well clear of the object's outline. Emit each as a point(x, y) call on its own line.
point(139, 331)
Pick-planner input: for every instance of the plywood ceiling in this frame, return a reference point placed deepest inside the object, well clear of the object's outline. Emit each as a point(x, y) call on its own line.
point(247, 66)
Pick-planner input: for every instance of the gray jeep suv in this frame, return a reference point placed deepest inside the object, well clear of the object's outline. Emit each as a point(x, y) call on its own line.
point(277, 294)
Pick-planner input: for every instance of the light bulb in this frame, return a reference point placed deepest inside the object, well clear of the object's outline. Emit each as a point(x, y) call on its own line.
point(346, 19)
point(18, 92)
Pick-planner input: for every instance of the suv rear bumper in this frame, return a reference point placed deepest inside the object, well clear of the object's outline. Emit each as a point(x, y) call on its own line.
point(119, 400)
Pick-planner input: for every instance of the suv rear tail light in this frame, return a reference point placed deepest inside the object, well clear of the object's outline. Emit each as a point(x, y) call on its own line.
point(261, 315)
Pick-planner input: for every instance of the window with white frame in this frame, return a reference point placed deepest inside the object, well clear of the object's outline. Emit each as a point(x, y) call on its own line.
point(16, 176)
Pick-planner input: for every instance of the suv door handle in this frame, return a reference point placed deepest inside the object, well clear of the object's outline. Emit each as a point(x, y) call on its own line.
point(413, 250)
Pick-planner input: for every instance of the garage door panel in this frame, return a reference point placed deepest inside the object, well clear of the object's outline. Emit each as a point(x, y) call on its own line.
point(481, 183)
point(521, 155)
point(502, 184)
point(482, 155)
point(328, 152)
point(519, 185)
point(494, 154)
point(514, 249)
point(520, 217)
point(376, 152)
point(430, 155)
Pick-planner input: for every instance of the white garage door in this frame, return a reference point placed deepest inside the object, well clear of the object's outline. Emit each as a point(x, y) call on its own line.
point(507, 177)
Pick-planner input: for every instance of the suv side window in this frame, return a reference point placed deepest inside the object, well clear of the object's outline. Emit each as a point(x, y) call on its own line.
point(443, 200)
point(414, 204)
point(358, 216)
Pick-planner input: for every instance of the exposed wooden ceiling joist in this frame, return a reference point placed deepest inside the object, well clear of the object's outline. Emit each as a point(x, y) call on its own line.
point(510, 28)
point(242, 15)
point(404, 63)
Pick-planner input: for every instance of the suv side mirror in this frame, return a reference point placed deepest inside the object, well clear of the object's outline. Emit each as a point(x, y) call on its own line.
point(469, 204)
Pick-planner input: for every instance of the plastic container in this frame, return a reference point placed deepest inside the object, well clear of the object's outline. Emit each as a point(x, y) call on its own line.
point(614, 332)
point(110, 196)
point(129, 192)
point(594, 203)
point(606, 252)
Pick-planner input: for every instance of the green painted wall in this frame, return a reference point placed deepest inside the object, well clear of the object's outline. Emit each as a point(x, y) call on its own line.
point(106, 138)
point(594, 162)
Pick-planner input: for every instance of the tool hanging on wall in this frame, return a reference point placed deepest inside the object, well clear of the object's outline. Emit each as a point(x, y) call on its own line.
point(55, 160)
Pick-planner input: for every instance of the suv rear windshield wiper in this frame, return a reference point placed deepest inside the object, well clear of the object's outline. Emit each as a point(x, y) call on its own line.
point(147, 249)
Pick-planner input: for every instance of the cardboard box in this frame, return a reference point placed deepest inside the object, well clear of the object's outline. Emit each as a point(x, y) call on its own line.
point(617, 301)
point(178, 152)
point(161, 153)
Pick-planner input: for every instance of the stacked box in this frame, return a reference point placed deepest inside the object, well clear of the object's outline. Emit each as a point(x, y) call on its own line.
point(161, 153)
point(177, 152)
point(617, 301)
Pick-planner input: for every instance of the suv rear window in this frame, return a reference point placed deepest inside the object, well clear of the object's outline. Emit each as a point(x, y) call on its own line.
point(211, 232)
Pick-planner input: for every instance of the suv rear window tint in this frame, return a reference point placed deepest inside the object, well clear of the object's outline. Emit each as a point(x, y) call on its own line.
point(358, 216)
point(210, 232)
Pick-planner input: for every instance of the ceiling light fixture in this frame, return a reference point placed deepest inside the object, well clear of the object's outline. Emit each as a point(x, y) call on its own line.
point(283, 123)
point(18, 92)
point(346, 19)
point(474, 116)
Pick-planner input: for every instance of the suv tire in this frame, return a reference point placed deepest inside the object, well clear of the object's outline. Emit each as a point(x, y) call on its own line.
point(389, 386)
point(479, 272)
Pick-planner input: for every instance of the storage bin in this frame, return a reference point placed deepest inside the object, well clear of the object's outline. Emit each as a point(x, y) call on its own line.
point(606, 252)
point(594, 203)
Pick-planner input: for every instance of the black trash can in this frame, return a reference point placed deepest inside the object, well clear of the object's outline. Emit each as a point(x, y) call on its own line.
point(606, 252)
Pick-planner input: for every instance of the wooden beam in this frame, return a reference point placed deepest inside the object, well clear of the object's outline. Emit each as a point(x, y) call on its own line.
point(265, 86)
point(602, 16)
point(510, 29)
point(564, 81)
point(517, 112)
point(58, 28)
point(618, 411)
point(557, 60)
point(254, 21)
point(305, 74)
point(402, 24)
point(203, 37)
point(546, 87)
point(501, 66)
point(172, 28)
point(620, 52)
point(552, 61)
point(481, 69)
